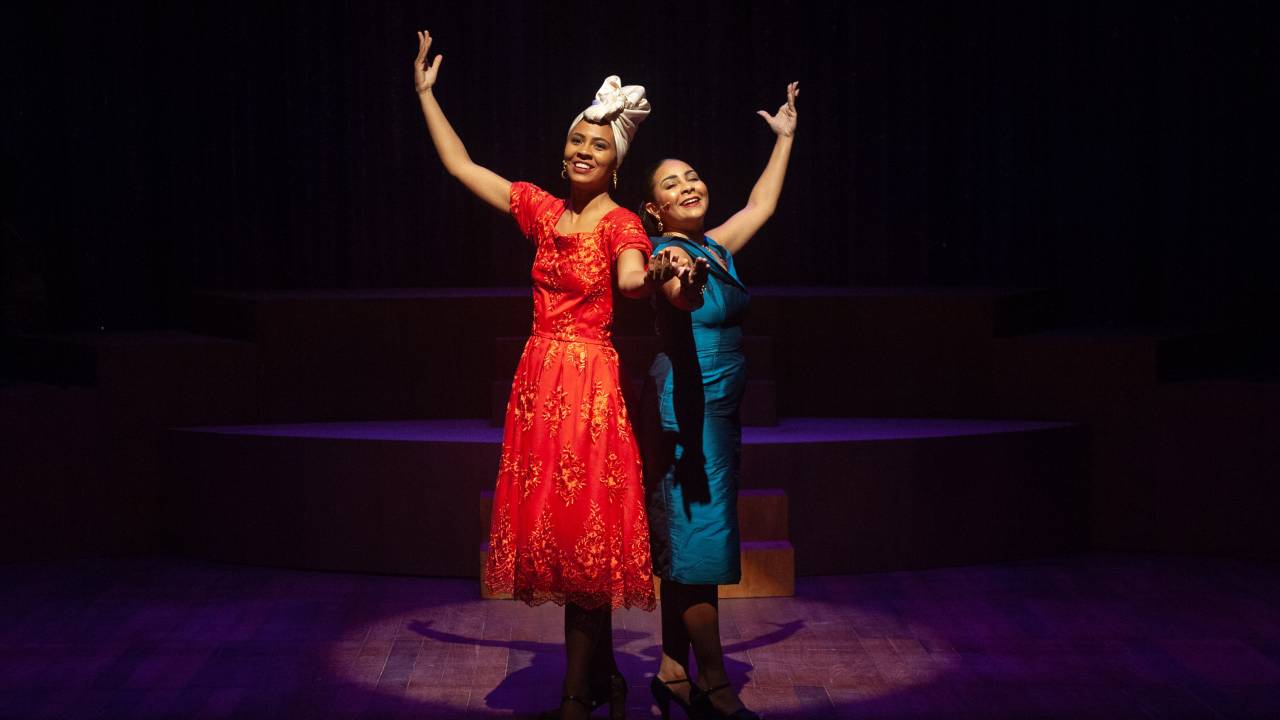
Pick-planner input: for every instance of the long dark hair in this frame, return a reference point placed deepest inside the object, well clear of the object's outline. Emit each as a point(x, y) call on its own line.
point(649, 221)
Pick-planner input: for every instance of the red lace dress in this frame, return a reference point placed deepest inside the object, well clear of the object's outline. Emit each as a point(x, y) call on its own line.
point(569, 519)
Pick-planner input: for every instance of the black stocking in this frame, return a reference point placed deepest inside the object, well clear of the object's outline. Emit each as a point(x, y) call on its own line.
point(603, 664)
point(675, 637)
point(583, 630)
point(691, 618)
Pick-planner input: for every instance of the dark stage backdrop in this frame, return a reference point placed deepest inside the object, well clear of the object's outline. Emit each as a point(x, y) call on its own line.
point(1122, 153)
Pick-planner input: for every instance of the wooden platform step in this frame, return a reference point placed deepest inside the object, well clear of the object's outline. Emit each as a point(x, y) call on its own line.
point(868, 494)
point(759, 401)
point(414, 353)
point(635, 354)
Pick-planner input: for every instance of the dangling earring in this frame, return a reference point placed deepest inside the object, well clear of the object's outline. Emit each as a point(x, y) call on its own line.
point(660, 228)
point(564, 169)
point(615, 179)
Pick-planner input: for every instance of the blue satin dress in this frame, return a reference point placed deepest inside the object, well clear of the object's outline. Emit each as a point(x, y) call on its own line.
point(692, 468)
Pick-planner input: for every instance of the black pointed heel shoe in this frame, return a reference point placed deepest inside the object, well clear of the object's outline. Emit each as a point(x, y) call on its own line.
point(705, 710)
point(612, 691)
point(663, 696)
point(615, 695)
point(589, 703)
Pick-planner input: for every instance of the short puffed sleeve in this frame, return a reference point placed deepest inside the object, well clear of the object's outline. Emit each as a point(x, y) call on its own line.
point(627, 233)
point(528, 203)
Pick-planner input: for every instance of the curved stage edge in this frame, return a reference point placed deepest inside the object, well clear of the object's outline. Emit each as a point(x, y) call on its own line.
point(403, 497)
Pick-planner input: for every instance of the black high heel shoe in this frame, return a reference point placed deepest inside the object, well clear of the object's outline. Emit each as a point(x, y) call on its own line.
point(616, 696)
point(589, 705)
point(663, 696)
point(701, 703)
point(612, 691)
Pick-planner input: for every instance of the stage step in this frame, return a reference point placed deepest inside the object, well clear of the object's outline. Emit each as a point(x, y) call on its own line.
point(370, 355)
point(759, 401)
point(428, 353)
point(82, 445)
point(635, 354)
point(201, 368)
point(1082, 374)
point(768, 559)
point(866, 494)
point(998, 312)
point(835, 352)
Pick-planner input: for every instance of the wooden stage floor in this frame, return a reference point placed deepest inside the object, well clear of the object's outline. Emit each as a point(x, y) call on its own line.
point(1092, 636)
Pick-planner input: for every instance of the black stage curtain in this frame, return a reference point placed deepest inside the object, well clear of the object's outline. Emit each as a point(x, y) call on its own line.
point(1120, 151)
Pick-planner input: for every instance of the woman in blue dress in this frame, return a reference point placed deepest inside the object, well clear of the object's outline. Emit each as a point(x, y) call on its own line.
point(698, 381)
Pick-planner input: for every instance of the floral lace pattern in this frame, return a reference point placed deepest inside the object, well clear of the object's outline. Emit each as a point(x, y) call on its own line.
point(569, 521)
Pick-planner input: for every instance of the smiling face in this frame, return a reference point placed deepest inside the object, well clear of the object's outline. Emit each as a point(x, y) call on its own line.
point(680, 198)
point(590, 154)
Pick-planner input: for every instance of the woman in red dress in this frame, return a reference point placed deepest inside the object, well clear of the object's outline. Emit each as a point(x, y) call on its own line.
point(569, 520)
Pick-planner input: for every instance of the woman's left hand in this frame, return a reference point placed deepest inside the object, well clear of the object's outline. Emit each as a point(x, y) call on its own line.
point(784, 122)
point(693, 278)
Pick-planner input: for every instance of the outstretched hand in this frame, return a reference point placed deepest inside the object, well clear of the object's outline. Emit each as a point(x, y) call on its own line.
point(784, 122)
point(663, 266)
point(424, 78)
point(694, 278)
point(666, 265)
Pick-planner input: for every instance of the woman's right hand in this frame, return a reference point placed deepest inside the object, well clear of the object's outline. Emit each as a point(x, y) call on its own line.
point(663, 266)
point(784, 122)
point(668, 264)
point(486, 184)
point(424, 78)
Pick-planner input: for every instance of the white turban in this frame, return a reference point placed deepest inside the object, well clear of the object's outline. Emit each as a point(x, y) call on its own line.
point(622, 108)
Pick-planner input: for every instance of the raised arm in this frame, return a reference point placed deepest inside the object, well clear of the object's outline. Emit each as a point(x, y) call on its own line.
point(486, 184)
point(739, 229)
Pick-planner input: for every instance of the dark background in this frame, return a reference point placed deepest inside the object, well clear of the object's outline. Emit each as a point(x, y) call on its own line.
point(1121, 156)
point(1121, 153)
